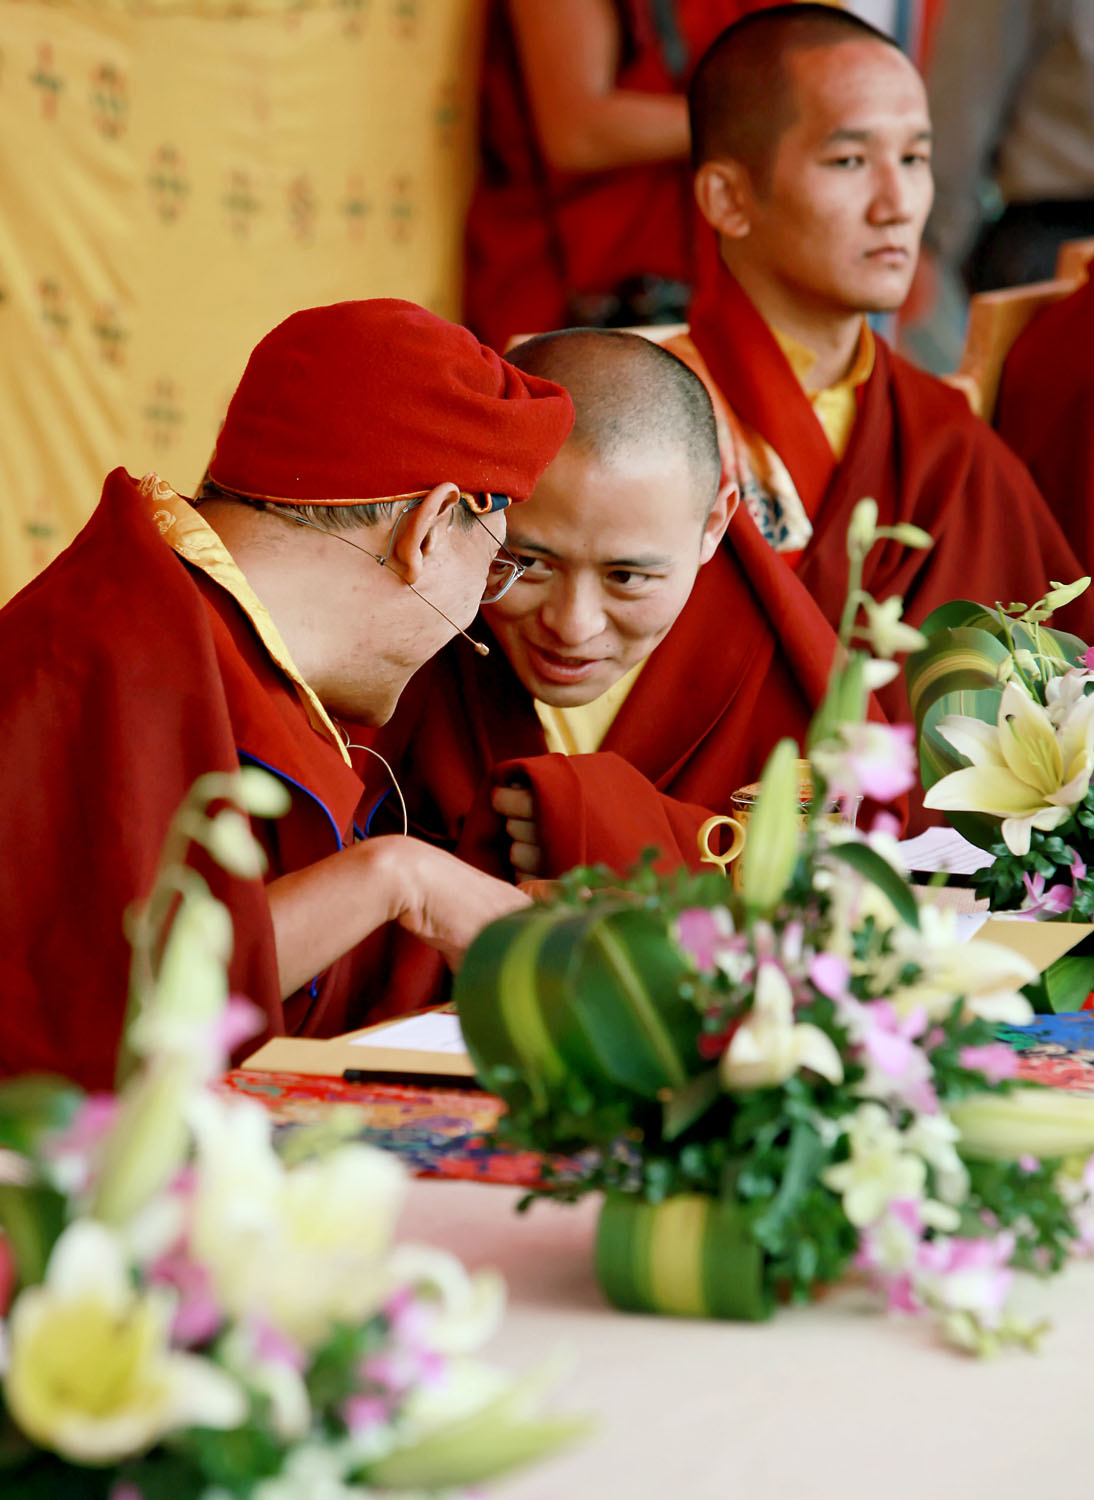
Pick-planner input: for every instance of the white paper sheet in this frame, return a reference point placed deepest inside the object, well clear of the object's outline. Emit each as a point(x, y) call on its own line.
point(437, 1031)
point(943, 849)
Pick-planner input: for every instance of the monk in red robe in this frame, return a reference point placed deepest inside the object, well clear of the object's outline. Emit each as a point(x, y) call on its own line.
point(581, 209)
point(640, 671)
point(177, 638)
point(1045, 412)
point(811, 140)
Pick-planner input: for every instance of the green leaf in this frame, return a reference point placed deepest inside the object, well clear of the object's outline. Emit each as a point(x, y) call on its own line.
point(803, 1162)
point(32, 1218)
point(690, 1103)
point(1068, 981)
point(33, 1105)
point(880, 873)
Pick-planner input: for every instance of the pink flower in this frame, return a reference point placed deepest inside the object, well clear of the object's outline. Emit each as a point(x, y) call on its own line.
point(197, 1315)
point(702, 933)
point(830, 974)
point(898, 1066)
point(73, 1151)
point(1041, 903)
point(995, 1060)
point(1087, 658)
point(362, 1413)
point(888, 1250)
point(868, 760)
point(966, 1275)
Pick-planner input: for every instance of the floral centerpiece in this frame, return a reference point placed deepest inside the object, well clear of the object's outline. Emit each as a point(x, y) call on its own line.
point(187, 1313)
point(777, 1081)
point(1004, 709)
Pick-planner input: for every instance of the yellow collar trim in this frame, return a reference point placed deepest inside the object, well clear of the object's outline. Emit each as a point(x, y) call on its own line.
point(801, 359)
point(184, 531)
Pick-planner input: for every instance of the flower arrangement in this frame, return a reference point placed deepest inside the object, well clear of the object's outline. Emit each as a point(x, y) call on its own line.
point(1004, 710)
point(777, 1082)
point(188, 1312)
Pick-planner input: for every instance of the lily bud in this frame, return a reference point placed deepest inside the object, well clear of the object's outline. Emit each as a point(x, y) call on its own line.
point(862, 531)
point(772, 849)
point(1040, 1122)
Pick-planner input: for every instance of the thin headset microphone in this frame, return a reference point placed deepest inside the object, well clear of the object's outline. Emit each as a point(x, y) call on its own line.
point(480, 646)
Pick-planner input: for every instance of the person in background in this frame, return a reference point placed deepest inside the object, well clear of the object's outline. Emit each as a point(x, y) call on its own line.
point(582, 212)
point(1011, 92)
point(1045, 412)
point(812, 149)
point(352, 517)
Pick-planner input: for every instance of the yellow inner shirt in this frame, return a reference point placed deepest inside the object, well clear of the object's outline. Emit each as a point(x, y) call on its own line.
point(184, 530)
point(835, 406)
point(581, 730)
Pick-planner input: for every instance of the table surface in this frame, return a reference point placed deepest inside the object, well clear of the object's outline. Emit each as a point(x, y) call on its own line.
point(831, 1400)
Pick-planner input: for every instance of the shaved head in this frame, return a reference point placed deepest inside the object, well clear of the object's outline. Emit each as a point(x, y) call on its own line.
point(741, 97)
point(631, 397)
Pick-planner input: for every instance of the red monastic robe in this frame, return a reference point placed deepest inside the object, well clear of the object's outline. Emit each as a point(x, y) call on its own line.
point(746, 663)
point(1045, 412)
point(915, 448)
point(124, 675)
point(535, 236)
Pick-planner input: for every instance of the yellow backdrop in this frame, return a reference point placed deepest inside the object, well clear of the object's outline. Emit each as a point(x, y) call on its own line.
point(174, 180)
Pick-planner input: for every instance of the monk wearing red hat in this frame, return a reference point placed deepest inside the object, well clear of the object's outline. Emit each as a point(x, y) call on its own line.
point(351, 521)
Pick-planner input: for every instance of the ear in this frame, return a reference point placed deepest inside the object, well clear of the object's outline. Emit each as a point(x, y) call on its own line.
point(719, 518)
point(723, 191)
point(422, 528)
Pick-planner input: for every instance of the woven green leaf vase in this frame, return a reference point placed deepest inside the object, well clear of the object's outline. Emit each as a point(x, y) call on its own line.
point(689, 1256)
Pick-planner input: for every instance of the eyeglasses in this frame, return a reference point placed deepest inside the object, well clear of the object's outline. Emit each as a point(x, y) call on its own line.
point(504, 568)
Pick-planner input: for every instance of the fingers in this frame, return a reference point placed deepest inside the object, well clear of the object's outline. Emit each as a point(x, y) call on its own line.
point(513, 802)
point(521, 831)
point(526, 859)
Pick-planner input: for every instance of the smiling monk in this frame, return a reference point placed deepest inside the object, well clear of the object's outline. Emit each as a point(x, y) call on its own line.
point(812, 147)
point(640, 670)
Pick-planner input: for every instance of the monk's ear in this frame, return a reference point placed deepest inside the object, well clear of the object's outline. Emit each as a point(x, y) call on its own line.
point(723, 191)
point(719, 518)
point(422, 528)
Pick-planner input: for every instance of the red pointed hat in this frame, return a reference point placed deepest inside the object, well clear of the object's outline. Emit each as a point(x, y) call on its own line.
point(364, 400)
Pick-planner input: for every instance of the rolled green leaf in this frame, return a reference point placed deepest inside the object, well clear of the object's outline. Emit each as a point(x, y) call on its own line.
point(591, 994)
point(691, 1256)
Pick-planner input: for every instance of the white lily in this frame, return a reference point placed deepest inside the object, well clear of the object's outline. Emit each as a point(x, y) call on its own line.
point(90, 1371)
point(885, 628)
point(768, 1047)
point(1025, 769)
point(880, 1169)
point(987, 975)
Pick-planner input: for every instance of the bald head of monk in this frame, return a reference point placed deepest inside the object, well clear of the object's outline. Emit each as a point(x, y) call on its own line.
point(811, 147)
point(621, 520)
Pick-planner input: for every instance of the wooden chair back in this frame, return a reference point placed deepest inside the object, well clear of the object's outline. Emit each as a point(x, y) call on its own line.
point(995, 321)
point(1073, 260)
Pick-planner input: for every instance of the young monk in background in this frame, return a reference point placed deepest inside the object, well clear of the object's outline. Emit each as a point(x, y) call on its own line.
point(811, 143)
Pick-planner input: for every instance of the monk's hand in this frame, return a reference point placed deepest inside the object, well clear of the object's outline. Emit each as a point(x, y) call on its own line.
point(516, 805)
point(446, 902)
